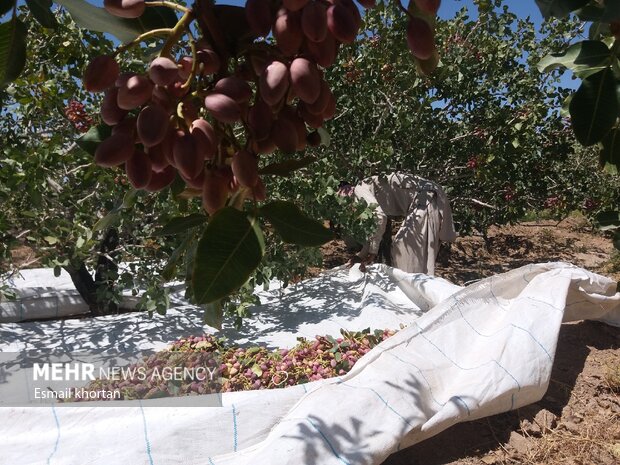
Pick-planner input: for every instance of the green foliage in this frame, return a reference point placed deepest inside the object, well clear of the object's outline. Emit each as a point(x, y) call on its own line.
point(97, 19)
point(594, 107)
point(559, 8)
point(287, 167)
point(12, 49)
point(93, 137)
point(55, 200)
point(583, 57)
point(41, 11)
point(181, 224)
point(481, 125)
point(230, 249)
point(293, 226)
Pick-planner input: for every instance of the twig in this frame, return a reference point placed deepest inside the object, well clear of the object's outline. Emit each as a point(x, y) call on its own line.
point(22, 233)
point(85, 198)
point(495, 436)
point(142, 37)
point(477, 202)
point(176, 32)
point(77, 168)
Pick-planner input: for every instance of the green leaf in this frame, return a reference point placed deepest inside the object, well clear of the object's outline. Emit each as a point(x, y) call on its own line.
point(325, 137)
point(130, 197)
point(599, 13)
point(6, 5)
point(214, 314)
point(57, 271)
point(230, 249)
point(233, 22)
point(608, 220)
point(180, 224)
point(169, 269)
point(256, 369)
point(111, 219)
point(610, 153)
point(586, 55)
point(287, 167)
point(594, 107)
point(156, 18)
point(98, 19)
point(293, 226)
point(89, 141)
point(41, 10)
point(177, 186)
point(12, 50)
point(51, 240)
point(559, 8)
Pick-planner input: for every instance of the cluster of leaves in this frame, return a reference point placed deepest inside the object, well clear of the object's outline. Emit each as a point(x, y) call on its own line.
point(55, 200)
point(48, 187)
point(240, 369)
point(75, 204)
point(482, 125)
point(594, 109)
point(500, 152)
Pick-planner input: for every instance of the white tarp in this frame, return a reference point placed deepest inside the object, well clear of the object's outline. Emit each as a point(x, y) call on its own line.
point(40, 295)
point(465, 354)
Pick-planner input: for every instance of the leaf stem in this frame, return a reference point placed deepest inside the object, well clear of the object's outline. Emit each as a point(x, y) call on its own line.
point(192, 74)
point(177, 32)
point(142, 37)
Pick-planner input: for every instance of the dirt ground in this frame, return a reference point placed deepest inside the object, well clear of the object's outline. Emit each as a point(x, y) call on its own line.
point(578, 420)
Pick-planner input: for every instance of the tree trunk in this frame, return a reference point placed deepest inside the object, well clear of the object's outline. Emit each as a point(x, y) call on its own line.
point(102, 283)
point(85, 285)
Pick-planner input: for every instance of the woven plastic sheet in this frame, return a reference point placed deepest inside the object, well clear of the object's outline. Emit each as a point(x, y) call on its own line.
point(39, 294)
point(464, 354)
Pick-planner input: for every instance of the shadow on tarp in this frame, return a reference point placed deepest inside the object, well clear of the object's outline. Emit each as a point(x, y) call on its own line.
point(354, 430)
point(478, 438)
point(319, 300)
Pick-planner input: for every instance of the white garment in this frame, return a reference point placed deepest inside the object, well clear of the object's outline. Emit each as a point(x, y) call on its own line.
point(428, 219)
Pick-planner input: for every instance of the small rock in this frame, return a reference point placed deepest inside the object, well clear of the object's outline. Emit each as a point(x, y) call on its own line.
point(545, 420)
point(530, 428)
point(520, 444)
point(489, 459)
point(570, 426)
point(573, 417)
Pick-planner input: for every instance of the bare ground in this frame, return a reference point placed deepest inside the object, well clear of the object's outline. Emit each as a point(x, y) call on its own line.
point(578, 420)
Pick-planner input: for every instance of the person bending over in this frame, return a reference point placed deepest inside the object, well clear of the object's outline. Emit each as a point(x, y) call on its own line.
point(427, 219)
